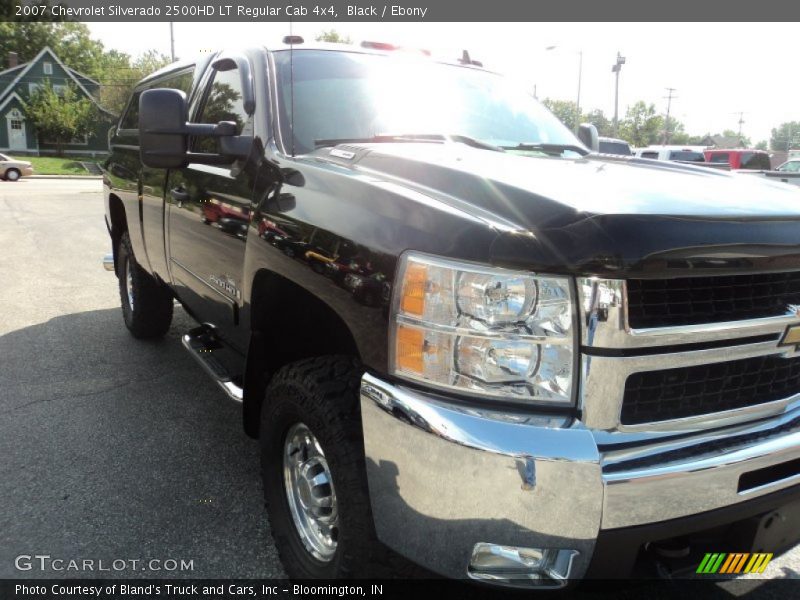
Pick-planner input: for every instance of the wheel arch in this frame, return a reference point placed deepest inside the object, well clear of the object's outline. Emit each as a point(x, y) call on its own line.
point(288, 323)
point(119, 224)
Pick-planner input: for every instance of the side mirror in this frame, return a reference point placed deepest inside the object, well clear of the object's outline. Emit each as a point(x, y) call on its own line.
point(162, 118)
point(164, 133)
point(587, 133)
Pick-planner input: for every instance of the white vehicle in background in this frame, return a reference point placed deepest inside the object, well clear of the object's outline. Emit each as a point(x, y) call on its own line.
point(790, 166)
point(12, 169)
point(678, 153)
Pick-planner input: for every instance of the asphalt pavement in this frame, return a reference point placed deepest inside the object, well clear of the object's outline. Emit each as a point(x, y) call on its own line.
point(110, 448)
point(114, 449)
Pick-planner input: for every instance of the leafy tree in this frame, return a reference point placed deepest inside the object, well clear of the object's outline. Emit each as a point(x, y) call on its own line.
point(71, 42)
point(597, 117)
point(674, 132)
point(116, 71)
point(642, 126)
point(333, 36)
point(120, 74)
point(762, 145)
point(730, 133)
point(785, 136)
point(564, 110)
point(60, 117)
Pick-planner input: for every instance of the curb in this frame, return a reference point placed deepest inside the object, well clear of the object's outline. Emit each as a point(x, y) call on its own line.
point(64, 177)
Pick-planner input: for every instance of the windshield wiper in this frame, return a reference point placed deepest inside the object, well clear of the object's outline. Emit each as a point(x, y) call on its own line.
point(555, 149)
point(410, 137)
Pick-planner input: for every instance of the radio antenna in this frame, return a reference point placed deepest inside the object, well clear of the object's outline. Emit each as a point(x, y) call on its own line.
point(291, 82)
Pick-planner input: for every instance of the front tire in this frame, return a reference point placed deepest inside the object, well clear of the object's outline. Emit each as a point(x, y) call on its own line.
point(314, 474)
point(13, 175)
point(146, 303)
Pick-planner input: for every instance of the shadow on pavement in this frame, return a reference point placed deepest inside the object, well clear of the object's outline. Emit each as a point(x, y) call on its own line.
point(114, 448)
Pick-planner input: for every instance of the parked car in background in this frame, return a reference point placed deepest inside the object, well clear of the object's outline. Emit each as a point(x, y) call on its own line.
point(614, 146)
point(790, 166)
point(755, 160)
point(12, 169)
point(679, 153)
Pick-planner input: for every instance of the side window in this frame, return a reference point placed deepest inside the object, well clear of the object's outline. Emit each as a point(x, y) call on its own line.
point(720, 157)
point(650, 155)
point(755, 160)
point(131, 118)
point(223, 103)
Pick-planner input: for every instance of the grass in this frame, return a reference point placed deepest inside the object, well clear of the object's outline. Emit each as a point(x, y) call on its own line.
point(47, 165)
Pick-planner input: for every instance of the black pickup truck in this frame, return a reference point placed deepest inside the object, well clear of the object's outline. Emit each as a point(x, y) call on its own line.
point(458, 333)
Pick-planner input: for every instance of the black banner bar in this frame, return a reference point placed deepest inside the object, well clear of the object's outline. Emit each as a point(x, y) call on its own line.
point(399, 11)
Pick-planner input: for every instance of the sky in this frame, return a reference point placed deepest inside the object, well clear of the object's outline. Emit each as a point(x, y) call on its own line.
point(718, 70)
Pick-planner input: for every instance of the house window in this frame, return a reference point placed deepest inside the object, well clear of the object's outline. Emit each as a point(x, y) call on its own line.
point(59, 89)
point(16, 124)
point(32, 87)
point(48, 68)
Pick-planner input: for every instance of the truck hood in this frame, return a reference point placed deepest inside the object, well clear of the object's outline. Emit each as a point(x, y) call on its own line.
point(602, 214)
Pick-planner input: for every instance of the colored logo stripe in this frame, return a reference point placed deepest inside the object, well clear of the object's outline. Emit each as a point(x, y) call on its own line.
point(720, 562)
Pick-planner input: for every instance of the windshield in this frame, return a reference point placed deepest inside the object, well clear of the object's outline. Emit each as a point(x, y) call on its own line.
point(349, 95)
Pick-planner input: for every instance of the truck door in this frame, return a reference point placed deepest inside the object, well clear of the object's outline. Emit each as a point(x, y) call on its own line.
point(208, 210)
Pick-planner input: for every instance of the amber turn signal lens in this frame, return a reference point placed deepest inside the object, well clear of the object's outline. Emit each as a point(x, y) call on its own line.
point(410, 349)
point(413, 299)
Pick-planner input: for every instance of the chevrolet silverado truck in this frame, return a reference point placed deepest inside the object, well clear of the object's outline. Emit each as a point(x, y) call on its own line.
point(573, 365)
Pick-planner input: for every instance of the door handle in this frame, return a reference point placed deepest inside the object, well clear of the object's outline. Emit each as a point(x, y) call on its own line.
point(179, 194)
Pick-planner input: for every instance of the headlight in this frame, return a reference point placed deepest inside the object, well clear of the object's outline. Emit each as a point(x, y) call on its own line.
point(484, 331)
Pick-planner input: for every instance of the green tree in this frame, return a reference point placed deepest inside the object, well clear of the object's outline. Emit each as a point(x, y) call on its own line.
point(564, 110)
point(642, 126)
point(785, 136)
point(730, 133)
point(60, 117)
point(333, 36)
point(762, 145)
point(597, 117)
point(120, 74)
point(70, 41)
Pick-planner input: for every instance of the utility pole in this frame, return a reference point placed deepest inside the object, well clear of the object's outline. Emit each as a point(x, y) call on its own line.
point(741, 122)
point(578, 102)
point(666, 123)
point(616, 68)
point(172, 41)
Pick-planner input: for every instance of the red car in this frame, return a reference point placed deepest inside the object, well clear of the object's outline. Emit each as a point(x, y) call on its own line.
point(756, 160)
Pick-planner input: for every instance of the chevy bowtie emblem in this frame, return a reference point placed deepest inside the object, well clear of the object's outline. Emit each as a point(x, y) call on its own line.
point(791, 336)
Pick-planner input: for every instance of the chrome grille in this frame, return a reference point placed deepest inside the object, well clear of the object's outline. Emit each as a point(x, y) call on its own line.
point(652, 396)
point(686, 377)
point(699, 300)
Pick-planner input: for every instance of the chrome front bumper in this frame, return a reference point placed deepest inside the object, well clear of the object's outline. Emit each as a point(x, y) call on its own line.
point(445, 477)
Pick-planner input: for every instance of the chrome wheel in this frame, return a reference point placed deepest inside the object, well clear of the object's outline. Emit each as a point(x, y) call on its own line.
point(12, 175)
point(129, 282)
point(309, 490)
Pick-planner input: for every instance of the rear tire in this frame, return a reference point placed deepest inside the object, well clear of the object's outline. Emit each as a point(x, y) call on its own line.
point(319, 397)
point(146, 303)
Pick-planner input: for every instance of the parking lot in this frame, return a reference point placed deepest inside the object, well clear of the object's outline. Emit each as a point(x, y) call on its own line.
point(112, 448)
point(118, 449)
